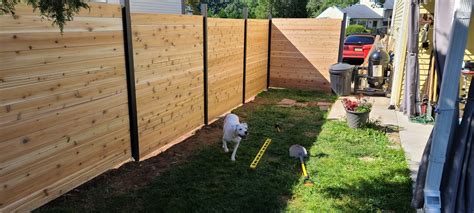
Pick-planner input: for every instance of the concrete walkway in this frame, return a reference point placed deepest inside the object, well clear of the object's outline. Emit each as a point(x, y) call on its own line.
point(413, 136)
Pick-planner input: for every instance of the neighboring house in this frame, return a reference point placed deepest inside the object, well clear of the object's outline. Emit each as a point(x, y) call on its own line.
point(371, 18)
point(367, 13)
point(332, 12)
point(152, 6)
point(388, 11)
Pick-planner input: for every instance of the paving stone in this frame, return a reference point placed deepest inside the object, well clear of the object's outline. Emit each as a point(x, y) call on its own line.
point(324, 103)
point(287, 102)
point(324, 108)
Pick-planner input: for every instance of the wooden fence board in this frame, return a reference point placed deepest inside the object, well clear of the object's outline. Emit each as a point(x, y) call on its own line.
point(302, 51)
point(225, 64)
point(95, 10)
point(169, 77)
point(29, 41)
point(31, 24)
point(257, 57)
point(64, 112)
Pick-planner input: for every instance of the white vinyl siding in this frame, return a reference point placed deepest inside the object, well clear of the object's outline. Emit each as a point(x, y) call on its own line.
point(154, 6)
point(151, 6)
point(397, 18)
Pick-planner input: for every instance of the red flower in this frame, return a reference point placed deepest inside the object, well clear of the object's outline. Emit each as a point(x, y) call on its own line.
point(356, 105)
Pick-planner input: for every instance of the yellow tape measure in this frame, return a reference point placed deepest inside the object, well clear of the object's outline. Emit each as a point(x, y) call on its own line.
point(260, 153)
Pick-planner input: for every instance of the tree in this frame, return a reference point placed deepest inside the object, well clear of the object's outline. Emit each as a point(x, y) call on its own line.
point(355, 29)
point(257, 8)
point(59, 11)
point(195, 6)
point(232, 10)
point(263, 8)
point(314, 7)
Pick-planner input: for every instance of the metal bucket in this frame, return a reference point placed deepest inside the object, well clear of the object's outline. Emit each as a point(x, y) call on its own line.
point(357, 119)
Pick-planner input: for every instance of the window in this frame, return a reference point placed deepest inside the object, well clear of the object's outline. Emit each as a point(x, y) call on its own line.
point(374, 24)
point(355, 39)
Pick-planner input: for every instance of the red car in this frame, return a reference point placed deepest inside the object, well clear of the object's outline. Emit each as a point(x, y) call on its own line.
point(357, 47)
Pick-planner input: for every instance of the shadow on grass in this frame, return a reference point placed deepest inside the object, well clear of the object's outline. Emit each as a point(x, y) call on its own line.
point(209, 181)
point(384, 192)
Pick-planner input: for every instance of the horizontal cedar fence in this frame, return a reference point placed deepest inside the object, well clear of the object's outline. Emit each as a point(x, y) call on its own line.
point(64, 107)
point(225, 64)
point(257, 57)
point(168, 58)
point(63, 104)
point(302, 51)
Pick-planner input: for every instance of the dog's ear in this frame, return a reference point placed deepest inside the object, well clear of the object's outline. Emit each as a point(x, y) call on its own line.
point(245, 124)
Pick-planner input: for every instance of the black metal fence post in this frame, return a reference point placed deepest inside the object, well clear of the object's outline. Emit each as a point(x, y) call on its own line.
point(130, 73)
point(341, 39)
point(269, 47)
point(246, 14)
point(206, 88)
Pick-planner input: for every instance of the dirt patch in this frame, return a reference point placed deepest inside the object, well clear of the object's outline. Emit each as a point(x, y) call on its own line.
point(301, 104)
point(393, 134)
point(287, 102)
point(261, 101)
point(284, 198)
point(367, 159)
point(324, 108)
point(323, 105)
point(394, 138)
point(311, 134)
point(134, 175)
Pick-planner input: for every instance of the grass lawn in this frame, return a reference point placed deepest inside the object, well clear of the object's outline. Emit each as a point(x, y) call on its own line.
point(353, 170)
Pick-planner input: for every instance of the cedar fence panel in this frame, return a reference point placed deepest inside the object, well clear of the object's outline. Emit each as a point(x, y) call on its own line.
point(168, 58)
point(225, 64)
point(63, 104)
point(302, 51)
point(63, 97)
point(257, 56)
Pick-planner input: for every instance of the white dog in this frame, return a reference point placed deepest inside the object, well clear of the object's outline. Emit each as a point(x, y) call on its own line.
point(234, 131)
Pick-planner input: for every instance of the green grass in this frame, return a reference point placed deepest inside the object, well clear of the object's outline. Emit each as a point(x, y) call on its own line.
point(353, 170)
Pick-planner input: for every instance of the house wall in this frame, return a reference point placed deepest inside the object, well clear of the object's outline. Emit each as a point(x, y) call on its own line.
point(332, 12)
point(368, 23)
point(152, 6)
point(398, 43)
point(424, 56)
point(469, 55)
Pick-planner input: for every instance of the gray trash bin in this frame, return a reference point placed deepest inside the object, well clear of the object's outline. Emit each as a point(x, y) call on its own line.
point(341, 75)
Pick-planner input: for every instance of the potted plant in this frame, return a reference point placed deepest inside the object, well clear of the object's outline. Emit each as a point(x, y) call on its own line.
point(357, 111)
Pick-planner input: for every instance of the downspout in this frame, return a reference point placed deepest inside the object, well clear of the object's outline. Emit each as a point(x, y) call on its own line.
point(446, 120)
